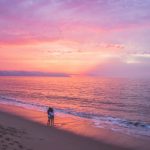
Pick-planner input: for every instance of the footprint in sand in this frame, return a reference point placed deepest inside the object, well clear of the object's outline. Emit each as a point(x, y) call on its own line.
point(7, 139)
point(2, 141)
point(20, 146)
point(4, 146)
point(10, 137)
point(1, 136)
point(11, 143)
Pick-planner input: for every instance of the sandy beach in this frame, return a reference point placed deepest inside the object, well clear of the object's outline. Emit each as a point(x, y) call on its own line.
point(19, 133)
point(74, 74)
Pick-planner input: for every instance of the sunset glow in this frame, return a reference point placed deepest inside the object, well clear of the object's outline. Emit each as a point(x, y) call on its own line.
point(91, 37)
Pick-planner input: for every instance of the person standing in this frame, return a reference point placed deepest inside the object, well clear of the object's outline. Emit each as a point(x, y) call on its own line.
point(50, 113)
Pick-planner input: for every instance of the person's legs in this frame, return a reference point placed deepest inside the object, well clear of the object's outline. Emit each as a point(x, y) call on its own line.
point(52, 121)
point(48, 122)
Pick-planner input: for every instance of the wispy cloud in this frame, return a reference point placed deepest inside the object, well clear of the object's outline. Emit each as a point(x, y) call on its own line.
point(72, 34)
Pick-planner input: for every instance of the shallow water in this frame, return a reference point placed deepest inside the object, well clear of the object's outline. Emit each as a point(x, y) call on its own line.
point(119, 104)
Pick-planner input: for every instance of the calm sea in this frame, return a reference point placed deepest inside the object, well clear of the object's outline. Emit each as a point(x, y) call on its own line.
point(118, 104)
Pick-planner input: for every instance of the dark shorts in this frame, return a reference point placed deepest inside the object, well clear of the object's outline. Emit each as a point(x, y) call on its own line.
point(50, 117)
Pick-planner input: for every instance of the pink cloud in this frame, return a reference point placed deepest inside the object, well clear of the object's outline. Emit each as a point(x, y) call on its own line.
point(97, 27)
point(118, 68)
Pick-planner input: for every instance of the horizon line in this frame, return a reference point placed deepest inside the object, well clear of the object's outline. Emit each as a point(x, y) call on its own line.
point(32, 73)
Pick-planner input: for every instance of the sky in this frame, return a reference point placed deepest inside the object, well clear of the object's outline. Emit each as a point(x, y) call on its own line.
point(88, 37)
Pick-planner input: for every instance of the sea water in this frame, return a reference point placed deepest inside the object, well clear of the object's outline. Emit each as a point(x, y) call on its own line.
point(119, 104)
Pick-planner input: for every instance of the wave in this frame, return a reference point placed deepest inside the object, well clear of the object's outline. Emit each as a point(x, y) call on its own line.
point(16, 102)
point(84, 100)
point(98, 120)
point(122, 122)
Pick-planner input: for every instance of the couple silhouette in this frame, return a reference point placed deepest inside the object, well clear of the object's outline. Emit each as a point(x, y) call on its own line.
point(50, 113)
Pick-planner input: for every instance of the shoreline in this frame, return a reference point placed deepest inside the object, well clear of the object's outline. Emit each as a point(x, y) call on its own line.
point(19, 133)
point(70, 125)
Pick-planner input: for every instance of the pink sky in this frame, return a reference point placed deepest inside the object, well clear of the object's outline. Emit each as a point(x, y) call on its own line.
point(97, 37)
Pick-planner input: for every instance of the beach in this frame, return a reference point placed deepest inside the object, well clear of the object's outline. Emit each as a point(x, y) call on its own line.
point(24, 129)
point(19, 133)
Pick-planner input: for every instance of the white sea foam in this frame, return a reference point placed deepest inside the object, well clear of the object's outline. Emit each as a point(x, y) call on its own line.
point(113, 123)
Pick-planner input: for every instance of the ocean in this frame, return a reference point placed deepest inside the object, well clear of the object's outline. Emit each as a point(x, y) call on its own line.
point(118, 104)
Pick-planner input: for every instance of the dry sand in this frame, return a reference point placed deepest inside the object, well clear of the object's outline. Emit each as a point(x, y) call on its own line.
point(18, 133)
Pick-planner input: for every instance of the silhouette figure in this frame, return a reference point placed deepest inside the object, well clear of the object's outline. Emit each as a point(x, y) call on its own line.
point(50, 113)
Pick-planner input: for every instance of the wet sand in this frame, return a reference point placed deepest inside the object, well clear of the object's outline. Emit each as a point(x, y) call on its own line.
point(19, 133)
point(26, 129)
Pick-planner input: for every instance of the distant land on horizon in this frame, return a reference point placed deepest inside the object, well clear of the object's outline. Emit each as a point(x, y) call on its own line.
point(32, 73)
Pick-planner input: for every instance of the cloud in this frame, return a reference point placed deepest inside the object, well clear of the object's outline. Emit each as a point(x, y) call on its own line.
point(49, 19)
point(74, 32)
point(118, 68)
